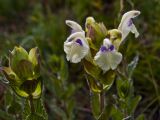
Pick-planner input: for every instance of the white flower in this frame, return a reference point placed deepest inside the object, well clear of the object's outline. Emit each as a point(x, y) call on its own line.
point(126, 25)
point(76, 46)
point(108, 57)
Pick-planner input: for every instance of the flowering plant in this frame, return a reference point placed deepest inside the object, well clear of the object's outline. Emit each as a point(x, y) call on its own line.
point(98, 49)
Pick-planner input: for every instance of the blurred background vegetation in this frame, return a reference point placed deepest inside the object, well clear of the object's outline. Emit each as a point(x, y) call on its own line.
point(41, 23)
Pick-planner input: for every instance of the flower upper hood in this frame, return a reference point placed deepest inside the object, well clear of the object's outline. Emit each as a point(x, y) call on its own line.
point(74, 26)
point(126, 25)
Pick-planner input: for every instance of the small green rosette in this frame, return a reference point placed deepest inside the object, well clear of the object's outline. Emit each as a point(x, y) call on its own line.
point(23, 72)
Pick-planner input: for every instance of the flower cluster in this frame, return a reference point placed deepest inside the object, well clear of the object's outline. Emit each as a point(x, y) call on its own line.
point(97, 44)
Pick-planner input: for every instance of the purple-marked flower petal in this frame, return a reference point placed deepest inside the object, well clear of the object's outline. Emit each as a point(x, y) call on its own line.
point(76, 47)
point(111, 48)
point(130, 22)
point(79, 42)
point(103, 48)
point(126, 25)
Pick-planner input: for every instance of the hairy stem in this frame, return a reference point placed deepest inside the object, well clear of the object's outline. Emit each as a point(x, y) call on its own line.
point(121, 6)
point(102, 100)
point(31, 104)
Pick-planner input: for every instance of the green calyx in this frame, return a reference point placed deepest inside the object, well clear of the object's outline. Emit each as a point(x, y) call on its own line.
point(97, 80)
point(95, 31)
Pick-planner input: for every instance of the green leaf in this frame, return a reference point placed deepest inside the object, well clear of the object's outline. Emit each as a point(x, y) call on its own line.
point(8, 97)
point(5, 116)
point(63, 69)
point(33, 87)
point(10, 76)
point(19, 92)
point(59, 111)
point(106, 80)
point(39, 111)
point(15, 107)
point(27, 110)
point(34, 56)
point(95, 104)
point(131, 67)
point(91, 69)
point(105, 115)
point(94, 85)
point(16, 56)
point(68, 92)
point(24, 70)
point(123, 88)
point(116, 114)
point(38, 90)
point(141, 117)
point(55, 63)
point(133, 103)
point(35, 117)
point(70, 108)
point(39, 107)
point(56, 87)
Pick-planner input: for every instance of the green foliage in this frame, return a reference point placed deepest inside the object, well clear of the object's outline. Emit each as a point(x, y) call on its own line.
point(14, 107)
point(39, 114)
point(95, 104)
point(63, 104)
point(140, 117)
point(23, 72)
point(126, 101)
point(132, 66)
point(4, 115)
point(96, 79)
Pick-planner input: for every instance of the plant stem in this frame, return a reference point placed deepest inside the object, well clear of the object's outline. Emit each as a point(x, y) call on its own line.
point(102, 100)
point(121, 7)
point(31, 104)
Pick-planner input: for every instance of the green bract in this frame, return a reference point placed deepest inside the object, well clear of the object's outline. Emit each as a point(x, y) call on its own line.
point(23, 72)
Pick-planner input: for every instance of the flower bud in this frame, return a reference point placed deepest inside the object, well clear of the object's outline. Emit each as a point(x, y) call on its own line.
point(115, 37)
point(95, 31)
